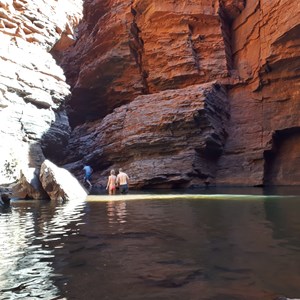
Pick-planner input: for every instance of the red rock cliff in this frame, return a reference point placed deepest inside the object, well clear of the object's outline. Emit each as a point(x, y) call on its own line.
point(130, 48)
point(264, 133)
point(165, 66)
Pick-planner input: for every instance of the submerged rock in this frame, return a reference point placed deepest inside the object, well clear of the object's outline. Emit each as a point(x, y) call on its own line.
point(4, 199)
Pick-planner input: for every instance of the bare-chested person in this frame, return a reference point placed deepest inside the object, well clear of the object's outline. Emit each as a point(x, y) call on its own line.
point(122, 181)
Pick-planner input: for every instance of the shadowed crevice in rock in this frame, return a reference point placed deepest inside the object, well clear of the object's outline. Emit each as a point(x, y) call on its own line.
point(137, 47)
point(282, 162)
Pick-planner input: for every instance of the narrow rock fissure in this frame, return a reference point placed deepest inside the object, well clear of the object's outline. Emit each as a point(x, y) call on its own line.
point(137, 48)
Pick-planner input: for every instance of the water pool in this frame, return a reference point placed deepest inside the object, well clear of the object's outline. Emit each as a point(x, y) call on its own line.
point(159, 246)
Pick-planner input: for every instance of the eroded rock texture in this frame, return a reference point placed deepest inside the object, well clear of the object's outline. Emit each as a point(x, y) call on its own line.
point(129, 49)
point(178, 93)
point(265, 104)
point(32, 85)
point(172, 138)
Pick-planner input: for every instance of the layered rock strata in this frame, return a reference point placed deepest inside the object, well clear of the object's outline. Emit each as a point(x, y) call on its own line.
point(130, 48)
point(139, 72)
point(264, 129)
point(32, 85)
point(168, 139)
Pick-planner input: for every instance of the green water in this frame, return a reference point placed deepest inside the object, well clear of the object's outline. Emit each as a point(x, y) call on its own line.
point(225, 245)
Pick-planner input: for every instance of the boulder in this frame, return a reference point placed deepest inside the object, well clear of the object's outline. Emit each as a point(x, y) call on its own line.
point(169, 139)
point(59, 183)
point(29, 186)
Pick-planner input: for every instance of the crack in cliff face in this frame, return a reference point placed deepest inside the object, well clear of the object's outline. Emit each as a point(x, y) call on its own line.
point(228, 11)
point(225, 28)
point(195, 54)
point(232, 8)
point(137, 48)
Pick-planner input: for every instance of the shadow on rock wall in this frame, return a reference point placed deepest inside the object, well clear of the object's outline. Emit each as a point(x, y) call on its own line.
point(282, 162)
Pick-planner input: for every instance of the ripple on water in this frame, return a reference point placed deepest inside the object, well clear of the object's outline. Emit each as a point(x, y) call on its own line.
point(28, 237)
point(181, 249)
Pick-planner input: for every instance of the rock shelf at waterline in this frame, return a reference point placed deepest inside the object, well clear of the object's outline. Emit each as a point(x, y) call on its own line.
point(104, 198)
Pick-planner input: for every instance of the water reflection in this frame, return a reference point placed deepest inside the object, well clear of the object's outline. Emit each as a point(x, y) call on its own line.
point(116, 212)
point(27, 255)
point(240, 248)
point(184, 249)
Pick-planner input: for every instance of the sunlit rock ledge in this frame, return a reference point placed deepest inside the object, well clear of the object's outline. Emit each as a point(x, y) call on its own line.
point(33, 87)
point(49, 182)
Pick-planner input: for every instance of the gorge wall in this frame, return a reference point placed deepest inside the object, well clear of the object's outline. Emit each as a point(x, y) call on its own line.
point(178, 93)
point(263, 133)
point(145, 95)
point(33, 89)
point(133, 58)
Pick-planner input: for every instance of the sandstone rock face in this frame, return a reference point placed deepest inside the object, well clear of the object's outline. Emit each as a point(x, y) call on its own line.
point(130, 48)
point(232, 8)
point(264, 125)
point(135, 55)
point(132, 54)
point(169, 139)
point(32, 85)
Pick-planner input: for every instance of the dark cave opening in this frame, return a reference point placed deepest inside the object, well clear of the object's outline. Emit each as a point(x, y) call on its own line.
point(282, 162)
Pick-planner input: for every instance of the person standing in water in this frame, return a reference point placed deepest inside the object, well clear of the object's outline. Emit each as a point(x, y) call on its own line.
point(122, 181)
point(87, 174)
point(111, 183)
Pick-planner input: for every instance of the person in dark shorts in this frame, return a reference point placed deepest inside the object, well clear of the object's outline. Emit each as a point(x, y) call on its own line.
point(122, 181)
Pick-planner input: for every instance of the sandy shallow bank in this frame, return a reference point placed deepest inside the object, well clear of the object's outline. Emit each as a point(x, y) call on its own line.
point(99, 198)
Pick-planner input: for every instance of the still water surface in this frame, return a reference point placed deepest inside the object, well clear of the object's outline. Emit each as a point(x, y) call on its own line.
point(215, 247)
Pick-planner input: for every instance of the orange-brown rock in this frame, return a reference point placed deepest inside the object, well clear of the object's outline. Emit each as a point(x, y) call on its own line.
point(129, 48)
point(232, 8)
point(147, 65)
point(169, 139)
point(265, 106)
